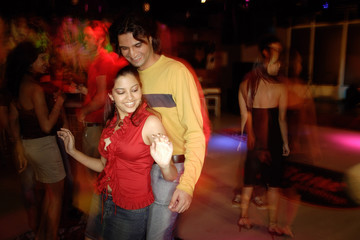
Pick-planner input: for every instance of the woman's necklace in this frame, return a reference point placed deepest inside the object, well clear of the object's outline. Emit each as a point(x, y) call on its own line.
point(121, 122)
point(118, 126)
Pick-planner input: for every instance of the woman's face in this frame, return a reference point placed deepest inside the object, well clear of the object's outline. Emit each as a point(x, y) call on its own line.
point(126, 94)
point(41, 64)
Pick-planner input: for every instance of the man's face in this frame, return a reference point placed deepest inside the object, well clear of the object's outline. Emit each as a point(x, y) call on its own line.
point(90, 39)
point(138, 53)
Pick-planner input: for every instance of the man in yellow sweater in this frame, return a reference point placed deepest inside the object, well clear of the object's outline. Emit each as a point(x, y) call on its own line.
point(170, 89)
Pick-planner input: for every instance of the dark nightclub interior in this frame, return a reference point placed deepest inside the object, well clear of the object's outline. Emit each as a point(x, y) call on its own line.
point(219, 39)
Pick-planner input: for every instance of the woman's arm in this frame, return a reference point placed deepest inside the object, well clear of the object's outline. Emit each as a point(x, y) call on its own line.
point(95, 164)
point(282, 119)
point(161, 148)
point(246, 117)
point(14, 130)
point(243, 109)
point(46, 120)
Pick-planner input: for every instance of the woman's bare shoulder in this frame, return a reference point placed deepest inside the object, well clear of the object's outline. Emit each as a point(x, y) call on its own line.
point(36, 92)
point(33, 87)
point(278, 86)
point(152, 119)
point(153, 124)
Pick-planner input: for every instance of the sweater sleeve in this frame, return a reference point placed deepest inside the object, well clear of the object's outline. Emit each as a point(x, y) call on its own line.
point(188, 105)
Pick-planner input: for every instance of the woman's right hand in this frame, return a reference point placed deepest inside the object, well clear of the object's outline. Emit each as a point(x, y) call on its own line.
point(22, 161)
point(286, 149)
point(69, 140)
point(161, 150)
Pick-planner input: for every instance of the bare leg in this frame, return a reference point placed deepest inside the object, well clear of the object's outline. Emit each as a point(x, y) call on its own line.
point(245, 200)
point(51, 211)
point(292, 205)
point(236, 202)
point(273, 203)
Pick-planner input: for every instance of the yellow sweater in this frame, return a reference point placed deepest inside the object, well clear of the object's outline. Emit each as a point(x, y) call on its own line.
point(170, 89)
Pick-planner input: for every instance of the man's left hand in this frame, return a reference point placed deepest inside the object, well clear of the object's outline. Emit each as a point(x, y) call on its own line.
point(180, 201)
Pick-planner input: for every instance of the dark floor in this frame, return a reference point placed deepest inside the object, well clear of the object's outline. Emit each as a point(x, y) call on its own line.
point(211, 215)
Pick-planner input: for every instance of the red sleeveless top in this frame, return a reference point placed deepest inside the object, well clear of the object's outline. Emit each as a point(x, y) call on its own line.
point(127, 170)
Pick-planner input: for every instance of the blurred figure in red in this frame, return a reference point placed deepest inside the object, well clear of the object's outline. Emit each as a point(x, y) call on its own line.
point(301, 114)
point(100, 75)
point(101, 72)
point(302, 131)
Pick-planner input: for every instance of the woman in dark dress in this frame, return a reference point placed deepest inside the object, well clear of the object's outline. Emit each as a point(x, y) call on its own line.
point(32, 120)
point(262, 100)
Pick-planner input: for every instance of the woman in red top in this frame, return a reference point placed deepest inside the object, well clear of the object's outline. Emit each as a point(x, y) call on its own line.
point(132, 139)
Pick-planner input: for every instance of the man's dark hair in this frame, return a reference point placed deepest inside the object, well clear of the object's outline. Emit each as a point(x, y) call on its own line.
point(100, 30)
point(141, 26)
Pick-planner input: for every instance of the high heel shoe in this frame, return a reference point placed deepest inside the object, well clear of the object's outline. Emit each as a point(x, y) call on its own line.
point(273, 229)
point(244, 222)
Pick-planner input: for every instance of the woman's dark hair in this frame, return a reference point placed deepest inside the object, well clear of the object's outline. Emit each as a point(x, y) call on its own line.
point(109, 110)
point(18, 64)
point(141, 26)
point(265, 41)
point(259, 72)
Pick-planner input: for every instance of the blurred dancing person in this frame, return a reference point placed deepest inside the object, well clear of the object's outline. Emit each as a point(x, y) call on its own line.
point(101, 73)
point(262, 100)
point(301, 114)
point(32, 121)
point(302, 131)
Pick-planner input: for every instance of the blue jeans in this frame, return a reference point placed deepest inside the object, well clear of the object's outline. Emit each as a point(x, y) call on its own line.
point(120, 224)
point(162, 221)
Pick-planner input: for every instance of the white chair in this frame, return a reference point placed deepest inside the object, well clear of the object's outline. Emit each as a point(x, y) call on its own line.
point(213, 100)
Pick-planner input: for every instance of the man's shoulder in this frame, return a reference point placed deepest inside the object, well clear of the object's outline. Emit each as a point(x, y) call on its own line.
point(172, 62)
